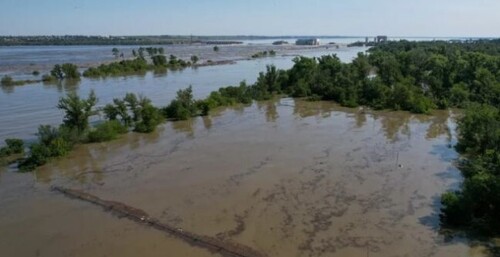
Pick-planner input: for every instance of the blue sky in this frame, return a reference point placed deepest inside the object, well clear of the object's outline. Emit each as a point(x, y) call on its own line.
point(433, 18)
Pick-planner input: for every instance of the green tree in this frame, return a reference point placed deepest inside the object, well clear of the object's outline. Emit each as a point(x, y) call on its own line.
point(7, 81)
point(77, 110)
point(159, 60)
point(67, 70)
point(183, 106)
point(194, 59)
point(70, 71)
point(115, 52)
point(57, 72)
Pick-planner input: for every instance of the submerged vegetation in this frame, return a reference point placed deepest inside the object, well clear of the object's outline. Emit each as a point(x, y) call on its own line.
point(140, 64)
point(8, 81)
point(264, 54)
point(13, 149)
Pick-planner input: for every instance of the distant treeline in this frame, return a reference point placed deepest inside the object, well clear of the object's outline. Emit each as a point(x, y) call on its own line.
point(137, 40)
point(112, 40)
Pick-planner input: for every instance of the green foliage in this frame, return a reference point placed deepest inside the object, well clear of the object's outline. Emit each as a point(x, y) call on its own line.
point(124, 67)
point(477, 205)
point(152, 50)
point(13, 146)
point(116, 52)
point(194, 59)
point(136, 112)
point(65, 71)
point(16, 146)
point(268, 83)
point(227, 96)
point(9, 81)
point(183, 107)
point(52, 142)
point(107, 131)
point(159, 60)
point(48, 78)
point(264, 54)
point(150, 118)
point(77, 111)
point(6, 81)
point(139, 65)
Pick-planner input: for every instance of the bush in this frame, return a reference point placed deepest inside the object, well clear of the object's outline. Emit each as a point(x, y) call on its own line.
point(124, 67)
point(150, 118)
point(7, 81)
point(48, 78)
point(52, 142)
point(13, 146)
point(183, 106)
point(159, 60)
point(16, 146)
point(145, 117)
point(106, 131)
point(65, 71)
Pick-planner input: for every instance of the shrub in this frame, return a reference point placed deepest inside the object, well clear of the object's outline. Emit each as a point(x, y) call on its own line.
point(7, 81)
point(48, 78)
point(16, 146)
point(106, 131)
point(150, 118)
point(39, 154)
point(183, 106)
point(159, 60)
point(52, 142)
point(13, 146)
point(145, 117)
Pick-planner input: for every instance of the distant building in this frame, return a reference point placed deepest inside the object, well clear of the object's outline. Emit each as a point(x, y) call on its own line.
point(280, 42)
point(381, 39)
point(307, 41)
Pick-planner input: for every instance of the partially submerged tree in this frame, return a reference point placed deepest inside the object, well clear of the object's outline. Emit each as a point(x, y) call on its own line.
point(77, 110)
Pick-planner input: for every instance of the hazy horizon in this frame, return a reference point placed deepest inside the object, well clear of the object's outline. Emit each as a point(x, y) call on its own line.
point(356, 18)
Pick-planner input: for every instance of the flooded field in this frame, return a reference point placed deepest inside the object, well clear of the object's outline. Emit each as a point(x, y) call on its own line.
point(285, 177)
point(24, 108)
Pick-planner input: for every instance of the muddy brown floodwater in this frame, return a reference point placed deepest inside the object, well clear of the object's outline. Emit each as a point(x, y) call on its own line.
point(285, 177)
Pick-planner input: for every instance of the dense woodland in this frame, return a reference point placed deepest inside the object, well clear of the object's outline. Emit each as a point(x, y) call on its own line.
point(411, 76)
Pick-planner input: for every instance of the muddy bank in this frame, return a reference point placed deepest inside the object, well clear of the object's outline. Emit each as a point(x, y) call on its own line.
point(286, 178)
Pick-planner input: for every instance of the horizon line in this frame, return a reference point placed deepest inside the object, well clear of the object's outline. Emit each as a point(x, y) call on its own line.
point(242, 35)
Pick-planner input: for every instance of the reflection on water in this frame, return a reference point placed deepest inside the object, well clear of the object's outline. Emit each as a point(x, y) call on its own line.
point(270, 110)
point(304, 109)
point(331, 181)
point(207, 122)
point(185, 126)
